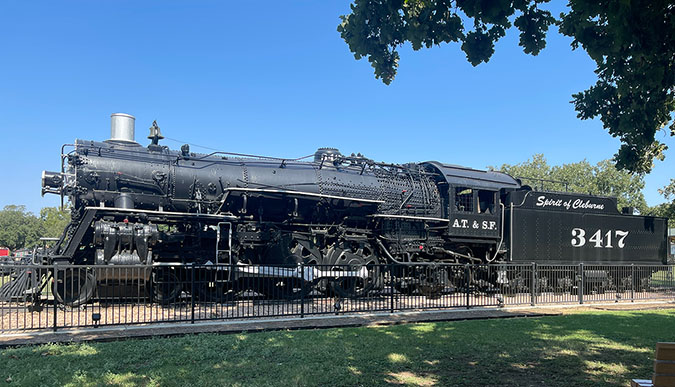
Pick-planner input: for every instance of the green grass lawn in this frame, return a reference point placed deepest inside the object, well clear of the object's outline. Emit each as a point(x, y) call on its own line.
point(580, 349)
point(663, 277)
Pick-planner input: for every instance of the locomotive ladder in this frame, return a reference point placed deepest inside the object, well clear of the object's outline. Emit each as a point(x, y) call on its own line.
point(224, 242)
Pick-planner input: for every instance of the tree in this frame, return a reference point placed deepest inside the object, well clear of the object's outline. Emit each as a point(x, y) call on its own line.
point(18, 228)
point(667, 210)
point(54, 221)
point(582, 177)
point(631, 41)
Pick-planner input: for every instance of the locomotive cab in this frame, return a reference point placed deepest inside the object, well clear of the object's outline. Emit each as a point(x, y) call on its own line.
point(474, 212)
point(473, 207)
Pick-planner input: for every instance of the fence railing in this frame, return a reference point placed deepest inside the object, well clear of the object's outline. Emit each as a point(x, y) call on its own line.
point(65, 296)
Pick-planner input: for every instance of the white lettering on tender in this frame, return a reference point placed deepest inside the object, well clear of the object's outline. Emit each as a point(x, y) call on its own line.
point(598, 240)
point(587, 205)
point(544, 202)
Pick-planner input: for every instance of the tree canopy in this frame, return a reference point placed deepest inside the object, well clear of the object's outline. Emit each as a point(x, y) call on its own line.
point(631, 41)
point(599, 179)
point(53, 220)
point(20, 228)
point(667, 209)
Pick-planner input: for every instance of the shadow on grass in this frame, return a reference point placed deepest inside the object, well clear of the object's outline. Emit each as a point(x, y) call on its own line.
point(590, 349)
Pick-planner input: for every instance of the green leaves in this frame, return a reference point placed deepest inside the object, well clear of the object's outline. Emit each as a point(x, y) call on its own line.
point(54, 221)
point(431, 24)
point(600, 179)
point(631, 41)
point(376, 28)
point(666, 210)
point(478, 47)
point(20, 228)
point(633, 45)
point(533, 25)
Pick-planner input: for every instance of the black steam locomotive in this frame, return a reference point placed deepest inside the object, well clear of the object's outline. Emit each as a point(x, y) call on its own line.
point(137, 205)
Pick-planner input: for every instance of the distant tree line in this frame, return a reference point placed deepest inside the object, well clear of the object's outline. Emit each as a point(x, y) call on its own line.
point(20, 228)
point(583, 177)
point(666, 209)
point(599, 179)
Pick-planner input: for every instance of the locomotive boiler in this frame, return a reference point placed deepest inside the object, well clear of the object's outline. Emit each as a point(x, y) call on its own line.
point(156, 207)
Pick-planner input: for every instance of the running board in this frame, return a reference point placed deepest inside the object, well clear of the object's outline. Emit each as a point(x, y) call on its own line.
point(307, 273)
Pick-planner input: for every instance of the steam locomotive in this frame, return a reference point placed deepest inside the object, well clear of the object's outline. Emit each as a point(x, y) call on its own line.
point(155, 207)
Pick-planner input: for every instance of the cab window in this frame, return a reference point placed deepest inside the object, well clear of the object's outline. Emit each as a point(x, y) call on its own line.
point(464, 199)
point(486, 202)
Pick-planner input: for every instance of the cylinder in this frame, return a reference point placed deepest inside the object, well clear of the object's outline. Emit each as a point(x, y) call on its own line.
point(124, 200)
point(122, 127)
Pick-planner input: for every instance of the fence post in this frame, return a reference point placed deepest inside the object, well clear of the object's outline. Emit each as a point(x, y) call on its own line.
point(467, 278)
point(533, 286)
point(302, 290)
point(391, 287)
point(192, 294)
point(581, 283)
point(54, 287)
point(632, 282)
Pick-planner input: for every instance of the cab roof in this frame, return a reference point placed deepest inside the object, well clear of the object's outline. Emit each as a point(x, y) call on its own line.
point(464, 176)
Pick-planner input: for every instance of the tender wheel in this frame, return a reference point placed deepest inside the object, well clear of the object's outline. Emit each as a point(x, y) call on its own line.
point(353, 257)
point(166, 286)
point(73, 287)
point(564, 285)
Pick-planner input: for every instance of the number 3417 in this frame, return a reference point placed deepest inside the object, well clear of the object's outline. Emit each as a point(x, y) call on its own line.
point(598, 239)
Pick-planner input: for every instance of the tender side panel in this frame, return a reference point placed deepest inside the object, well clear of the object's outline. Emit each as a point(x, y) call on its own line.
point(548, 236)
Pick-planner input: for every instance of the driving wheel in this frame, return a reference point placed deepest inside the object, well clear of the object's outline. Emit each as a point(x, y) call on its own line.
point(353, 257)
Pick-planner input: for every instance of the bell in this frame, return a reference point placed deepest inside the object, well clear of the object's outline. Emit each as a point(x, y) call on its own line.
point(155, 134)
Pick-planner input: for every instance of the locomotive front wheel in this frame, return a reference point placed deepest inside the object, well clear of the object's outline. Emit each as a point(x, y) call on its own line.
point(73, 287)
point(166, 286)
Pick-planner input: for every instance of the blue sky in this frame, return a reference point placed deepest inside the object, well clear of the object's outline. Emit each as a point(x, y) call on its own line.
point(275, 78)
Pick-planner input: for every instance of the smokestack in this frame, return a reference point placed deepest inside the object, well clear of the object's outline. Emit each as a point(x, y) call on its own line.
point(122, 127)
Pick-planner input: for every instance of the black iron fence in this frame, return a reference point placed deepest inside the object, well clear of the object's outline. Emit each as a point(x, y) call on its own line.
point(65, 296)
